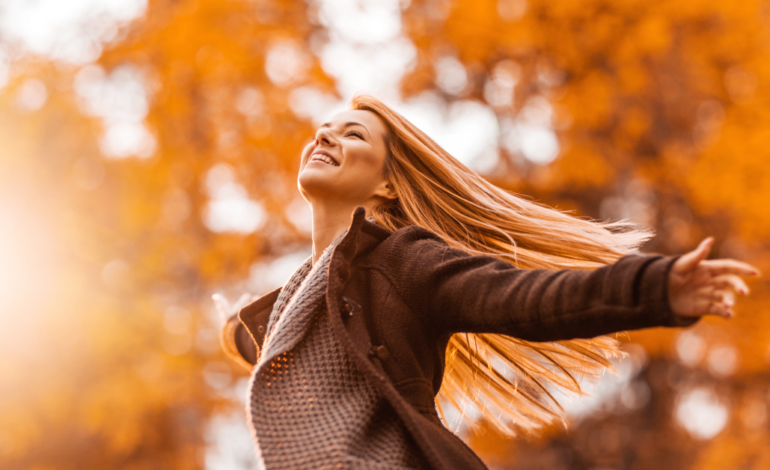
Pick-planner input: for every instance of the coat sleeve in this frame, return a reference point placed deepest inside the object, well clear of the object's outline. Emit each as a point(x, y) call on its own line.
point(459, 292)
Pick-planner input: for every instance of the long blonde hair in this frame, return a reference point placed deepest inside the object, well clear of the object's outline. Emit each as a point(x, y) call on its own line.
point(510, 381)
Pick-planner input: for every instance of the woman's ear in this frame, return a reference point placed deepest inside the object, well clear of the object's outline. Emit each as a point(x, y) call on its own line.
point(386, 191)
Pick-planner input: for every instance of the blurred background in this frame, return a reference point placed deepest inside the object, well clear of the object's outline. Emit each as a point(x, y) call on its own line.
point(148, 159)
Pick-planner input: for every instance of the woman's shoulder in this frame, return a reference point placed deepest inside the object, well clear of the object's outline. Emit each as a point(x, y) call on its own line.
point(411, 244)
point(405, 236)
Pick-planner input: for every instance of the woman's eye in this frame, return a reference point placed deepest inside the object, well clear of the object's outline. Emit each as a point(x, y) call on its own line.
point(355, 134)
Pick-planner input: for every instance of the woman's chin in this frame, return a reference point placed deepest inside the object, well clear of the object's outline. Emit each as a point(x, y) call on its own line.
point(314, 181)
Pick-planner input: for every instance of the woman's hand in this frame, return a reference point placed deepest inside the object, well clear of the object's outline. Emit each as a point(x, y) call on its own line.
point(697, 286)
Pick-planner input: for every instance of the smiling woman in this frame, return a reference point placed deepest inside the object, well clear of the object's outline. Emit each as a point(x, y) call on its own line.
point(343, 168)
point(442, 289)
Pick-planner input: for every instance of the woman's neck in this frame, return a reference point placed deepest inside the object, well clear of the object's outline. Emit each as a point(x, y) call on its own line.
point(329, 221)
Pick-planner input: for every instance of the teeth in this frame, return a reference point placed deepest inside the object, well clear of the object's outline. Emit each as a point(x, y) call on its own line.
point(324, 159)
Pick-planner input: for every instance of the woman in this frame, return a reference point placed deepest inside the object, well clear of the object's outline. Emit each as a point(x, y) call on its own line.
point(440, 280)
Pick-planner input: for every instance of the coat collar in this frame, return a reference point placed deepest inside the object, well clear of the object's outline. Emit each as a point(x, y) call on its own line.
point(363, 235)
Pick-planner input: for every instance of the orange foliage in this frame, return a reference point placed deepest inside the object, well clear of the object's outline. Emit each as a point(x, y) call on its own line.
point(107, 265)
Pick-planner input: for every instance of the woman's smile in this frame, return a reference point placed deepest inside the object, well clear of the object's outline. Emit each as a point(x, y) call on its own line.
point(322, 156)
point(353, 146)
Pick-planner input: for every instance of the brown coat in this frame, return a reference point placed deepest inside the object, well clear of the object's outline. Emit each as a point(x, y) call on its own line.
point(397, 297)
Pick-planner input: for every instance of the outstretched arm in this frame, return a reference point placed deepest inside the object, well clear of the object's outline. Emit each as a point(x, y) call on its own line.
point(698, 286)
point(458, 292)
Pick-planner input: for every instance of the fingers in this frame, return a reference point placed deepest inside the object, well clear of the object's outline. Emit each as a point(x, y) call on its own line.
point(722, 303)
point(725, 297)
point(729, 266)
point(730, 281)
point(690, 260)
point(708, 287)
point(721, 310)
point(719, 295)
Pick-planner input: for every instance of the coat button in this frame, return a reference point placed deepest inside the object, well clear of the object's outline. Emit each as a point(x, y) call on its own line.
point(381, 352)
point(261, 329)
point(347, 308)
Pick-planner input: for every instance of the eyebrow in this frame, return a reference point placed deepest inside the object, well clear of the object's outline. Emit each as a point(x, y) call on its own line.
point(346, 125)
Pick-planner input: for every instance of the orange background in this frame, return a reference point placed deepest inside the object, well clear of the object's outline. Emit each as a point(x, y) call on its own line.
point(109, 356)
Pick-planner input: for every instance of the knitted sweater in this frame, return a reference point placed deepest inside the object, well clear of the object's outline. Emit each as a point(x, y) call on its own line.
point(310, 407)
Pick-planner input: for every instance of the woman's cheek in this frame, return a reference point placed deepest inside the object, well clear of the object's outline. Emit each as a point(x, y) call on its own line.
point(365, 160)
point(306, 152)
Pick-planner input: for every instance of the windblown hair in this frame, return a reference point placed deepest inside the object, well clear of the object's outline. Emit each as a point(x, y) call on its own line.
point(509, 381)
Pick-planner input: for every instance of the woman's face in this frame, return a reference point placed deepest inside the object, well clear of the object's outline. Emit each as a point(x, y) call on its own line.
point(345, 162)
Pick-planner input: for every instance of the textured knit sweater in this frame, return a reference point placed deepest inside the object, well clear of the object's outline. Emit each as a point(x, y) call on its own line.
point(310, 406)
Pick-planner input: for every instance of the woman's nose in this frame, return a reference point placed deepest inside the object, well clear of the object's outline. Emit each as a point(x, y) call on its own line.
point(324, 136)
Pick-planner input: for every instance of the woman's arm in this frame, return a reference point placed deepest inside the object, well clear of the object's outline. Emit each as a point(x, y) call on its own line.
point(459, 292)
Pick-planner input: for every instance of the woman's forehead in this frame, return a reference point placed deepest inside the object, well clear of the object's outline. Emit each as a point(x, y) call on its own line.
point(366, 118)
